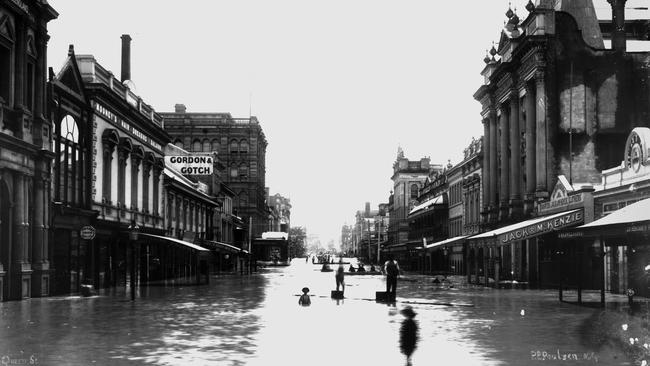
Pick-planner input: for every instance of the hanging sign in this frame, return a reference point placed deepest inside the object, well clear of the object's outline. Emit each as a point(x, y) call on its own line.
point(87, 232)
point(191, 165)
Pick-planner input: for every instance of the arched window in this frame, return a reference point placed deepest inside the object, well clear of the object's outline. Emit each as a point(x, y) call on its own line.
point(196, 145)
point(206, 145)
point(243, 146)
point(234, 146)
point(178, 143)
point(69, 165)
point(215, 145)
point(414, 191)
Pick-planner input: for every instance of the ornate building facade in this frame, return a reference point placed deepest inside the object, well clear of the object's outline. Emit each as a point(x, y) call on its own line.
point(25, 150)
point(241, 146)
point(555, 102)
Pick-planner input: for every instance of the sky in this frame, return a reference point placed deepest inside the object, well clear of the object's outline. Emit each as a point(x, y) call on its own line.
point(337, 85)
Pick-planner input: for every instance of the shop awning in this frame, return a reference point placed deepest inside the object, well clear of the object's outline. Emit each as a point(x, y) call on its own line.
point(634, 218)
point(438, 200)
point(532, 228)
point(219, 245)
point(168, 239)
point(449, 241)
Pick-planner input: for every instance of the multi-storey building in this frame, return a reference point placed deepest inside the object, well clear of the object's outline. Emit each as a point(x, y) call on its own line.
point(346, 240)
point(472, 167)
point(108, 184)
point(241, 145)
point(408, 178)
point(281, 209)
point(25, 157)
point(369, 232)
point(555, 101)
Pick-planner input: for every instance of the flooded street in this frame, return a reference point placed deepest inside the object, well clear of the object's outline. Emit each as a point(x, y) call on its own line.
point(256, 320)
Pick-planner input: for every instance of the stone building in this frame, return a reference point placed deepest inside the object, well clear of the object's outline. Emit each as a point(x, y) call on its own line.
point(241, 146)
point(408, 178)
point(472, 168)
point(555, 102)
point(281, 208)
point(109, 205)
point(25, 150)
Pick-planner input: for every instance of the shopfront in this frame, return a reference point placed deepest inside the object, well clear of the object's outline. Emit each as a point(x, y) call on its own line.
point(622, 211)
point(524, 253)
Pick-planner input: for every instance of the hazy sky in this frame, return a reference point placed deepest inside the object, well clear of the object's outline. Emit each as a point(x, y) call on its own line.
point(336, 85)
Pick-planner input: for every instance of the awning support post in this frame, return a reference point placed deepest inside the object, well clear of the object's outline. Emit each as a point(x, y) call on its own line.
point(602, 266)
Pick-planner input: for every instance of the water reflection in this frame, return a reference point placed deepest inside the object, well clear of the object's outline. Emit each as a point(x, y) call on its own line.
point(256, 320)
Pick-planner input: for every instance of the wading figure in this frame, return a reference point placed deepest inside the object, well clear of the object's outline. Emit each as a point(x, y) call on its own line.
point(408, 334)
point(391, 268)
point(304, 298)
point(339, 278)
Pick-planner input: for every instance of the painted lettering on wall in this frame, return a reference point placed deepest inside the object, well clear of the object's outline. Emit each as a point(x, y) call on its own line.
point(543, 227)
point(564, 201)
point(125, 125)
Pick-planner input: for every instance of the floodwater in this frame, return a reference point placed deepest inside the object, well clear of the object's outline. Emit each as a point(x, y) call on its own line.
point(256, 320)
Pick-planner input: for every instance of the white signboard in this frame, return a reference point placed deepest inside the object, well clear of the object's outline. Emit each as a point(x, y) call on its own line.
point(191, 165)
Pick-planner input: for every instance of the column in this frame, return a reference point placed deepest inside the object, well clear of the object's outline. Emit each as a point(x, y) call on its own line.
point(541, 138)
point(515, 158)
point(486, 174)
point(504, 163)
point(531, 172)
point(39, 255)
point(20, 249)
point(493, 171)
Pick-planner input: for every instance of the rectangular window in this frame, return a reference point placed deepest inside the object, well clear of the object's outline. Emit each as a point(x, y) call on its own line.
point(156, 183)
point(29, 87)
point(145, 191)
point(5, 74)
point(106, 188)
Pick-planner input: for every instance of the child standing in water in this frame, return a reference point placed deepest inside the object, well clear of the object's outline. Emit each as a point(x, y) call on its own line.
point(304, 298)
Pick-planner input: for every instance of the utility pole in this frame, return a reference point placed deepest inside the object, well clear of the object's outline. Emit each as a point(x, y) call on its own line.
point(369, 256)
point(379, 239)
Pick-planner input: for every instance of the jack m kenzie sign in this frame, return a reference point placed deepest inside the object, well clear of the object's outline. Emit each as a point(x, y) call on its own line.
point(543, 227)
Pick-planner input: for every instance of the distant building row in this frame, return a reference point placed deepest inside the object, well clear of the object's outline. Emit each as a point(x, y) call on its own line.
point(560, 109)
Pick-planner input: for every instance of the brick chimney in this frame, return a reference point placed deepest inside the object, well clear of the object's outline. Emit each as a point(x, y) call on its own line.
point(126, 57)
point(179, 108)
point(618, 21)
point(367, 209)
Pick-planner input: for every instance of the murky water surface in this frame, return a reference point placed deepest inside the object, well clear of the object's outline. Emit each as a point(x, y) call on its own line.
point(256, 320)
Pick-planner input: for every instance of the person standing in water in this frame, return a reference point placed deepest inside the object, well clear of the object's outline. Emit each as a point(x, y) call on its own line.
point(339, 278)
point(391, 269)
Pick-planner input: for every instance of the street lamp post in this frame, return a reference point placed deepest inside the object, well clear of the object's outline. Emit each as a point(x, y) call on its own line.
point(134, 230)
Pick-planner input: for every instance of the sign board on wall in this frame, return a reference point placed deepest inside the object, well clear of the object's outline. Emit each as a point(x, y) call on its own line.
point(87, 232)
point(554, 223)
point(190, 165)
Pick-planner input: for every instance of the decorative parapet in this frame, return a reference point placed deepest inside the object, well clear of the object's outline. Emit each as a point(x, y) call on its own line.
point(93, 73)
